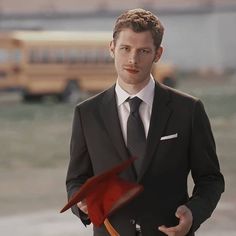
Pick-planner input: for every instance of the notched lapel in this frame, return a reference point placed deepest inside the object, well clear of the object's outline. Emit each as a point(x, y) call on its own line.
point(159, 118)
point(110, 118)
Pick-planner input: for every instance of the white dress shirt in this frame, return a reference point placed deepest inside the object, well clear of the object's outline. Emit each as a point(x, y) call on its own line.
point(145, 109)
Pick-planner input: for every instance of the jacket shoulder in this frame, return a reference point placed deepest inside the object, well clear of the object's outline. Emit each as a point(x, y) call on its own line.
point(180, 97)
point(94, 101)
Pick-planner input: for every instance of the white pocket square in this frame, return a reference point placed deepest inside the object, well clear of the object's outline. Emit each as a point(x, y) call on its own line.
point(169, 136)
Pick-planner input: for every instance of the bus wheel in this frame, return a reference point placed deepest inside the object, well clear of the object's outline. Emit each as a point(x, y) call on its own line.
point(32, 98)
point(71, 93)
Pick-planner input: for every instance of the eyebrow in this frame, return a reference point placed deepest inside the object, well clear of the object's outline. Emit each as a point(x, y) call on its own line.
point(127, 45)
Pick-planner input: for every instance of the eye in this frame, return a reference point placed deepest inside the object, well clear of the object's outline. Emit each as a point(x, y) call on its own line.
point(124, 48)
point(145, 51)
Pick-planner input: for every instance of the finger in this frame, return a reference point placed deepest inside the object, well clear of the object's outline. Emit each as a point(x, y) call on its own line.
point(181, 211)
point(185, 219)
point(167, 230)
point(83, 207)
point(184, 214)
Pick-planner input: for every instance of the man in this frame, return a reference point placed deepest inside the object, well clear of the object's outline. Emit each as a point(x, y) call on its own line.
point(167, 130)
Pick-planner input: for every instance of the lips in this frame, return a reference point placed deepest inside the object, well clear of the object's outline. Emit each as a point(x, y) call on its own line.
point(132, 70)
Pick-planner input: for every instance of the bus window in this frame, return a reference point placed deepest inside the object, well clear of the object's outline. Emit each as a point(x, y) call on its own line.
point(35, 55)
point(45, 56)
point(16, 55)
point(10, 55)
point(73, 56)
point(32, 56)
point(59, 56)
point(4, 55)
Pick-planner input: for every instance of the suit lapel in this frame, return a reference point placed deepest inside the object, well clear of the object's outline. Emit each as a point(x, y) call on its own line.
point(111, 122)
point(159, 117)
point(109, 114)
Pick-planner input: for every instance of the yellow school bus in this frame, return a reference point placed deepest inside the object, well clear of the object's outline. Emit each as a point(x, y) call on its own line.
point(65, 64)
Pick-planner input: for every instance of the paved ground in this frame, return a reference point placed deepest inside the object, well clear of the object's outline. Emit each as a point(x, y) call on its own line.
point(51, 223)
point(46, 223)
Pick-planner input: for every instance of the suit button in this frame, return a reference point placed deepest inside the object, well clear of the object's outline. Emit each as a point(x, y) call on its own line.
point(132, 221)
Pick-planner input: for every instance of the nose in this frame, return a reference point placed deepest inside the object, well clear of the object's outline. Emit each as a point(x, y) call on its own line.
point(133, 58)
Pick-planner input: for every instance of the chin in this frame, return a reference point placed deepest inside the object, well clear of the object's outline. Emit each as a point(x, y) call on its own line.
point(130, 81)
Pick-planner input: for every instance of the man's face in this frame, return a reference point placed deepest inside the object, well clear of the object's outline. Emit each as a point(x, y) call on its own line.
point(134, 54)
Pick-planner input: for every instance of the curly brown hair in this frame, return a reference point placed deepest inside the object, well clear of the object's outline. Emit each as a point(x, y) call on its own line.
point(140, 20)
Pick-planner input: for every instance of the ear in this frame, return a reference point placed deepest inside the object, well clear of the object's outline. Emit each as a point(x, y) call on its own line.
point(112, 48)
point(159, 52)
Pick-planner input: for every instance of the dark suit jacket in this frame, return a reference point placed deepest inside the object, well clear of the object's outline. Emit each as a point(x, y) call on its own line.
point(97, 145)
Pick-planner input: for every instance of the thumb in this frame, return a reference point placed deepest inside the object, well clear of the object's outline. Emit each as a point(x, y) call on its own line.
point(181, 210)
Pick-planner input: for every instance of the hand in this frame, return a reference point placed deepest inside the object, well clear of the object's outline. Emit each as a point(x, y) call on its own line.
point(83, 206)
point(185, 222)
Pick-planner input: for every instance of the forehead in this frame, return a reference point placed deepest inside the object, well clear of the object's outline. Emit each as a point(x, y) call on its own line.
point(136, 39)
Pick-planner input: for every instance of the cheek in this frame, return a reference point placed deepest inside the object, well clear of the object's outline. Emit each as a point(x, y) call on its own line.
point(118, 65)
point(150, 62)
point(119, 61)
point(146, 64)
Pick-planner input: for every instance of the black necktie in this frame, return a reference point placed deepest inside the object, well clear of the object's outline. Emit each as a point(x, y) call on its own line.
point(136, 139)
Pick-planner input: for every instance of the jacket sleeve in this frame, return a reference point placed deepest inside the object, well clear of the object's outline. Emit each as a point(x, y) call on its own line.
point(205, 170)
point(80, 168)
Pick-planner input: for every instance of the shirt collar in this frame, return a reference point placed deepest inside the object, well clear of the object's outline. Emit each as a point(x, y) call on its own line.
point(146, 94)
point(121, 94)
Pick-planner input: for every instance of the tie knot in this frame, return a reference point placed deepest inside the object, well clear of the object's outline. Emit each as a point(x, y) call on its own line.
point(134, 104)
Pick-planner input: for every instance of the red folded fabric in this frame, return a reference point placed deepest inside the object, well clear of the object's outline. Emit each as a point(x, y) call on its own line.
point(105, 193)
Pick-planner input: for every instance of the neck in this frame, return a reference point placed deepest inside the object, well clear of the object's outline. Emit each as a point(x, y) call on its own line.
point(133, 88)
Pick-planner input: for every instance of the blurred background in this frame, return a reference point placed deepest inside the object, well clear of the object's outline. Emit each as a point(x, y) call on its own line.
point(54, 53)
